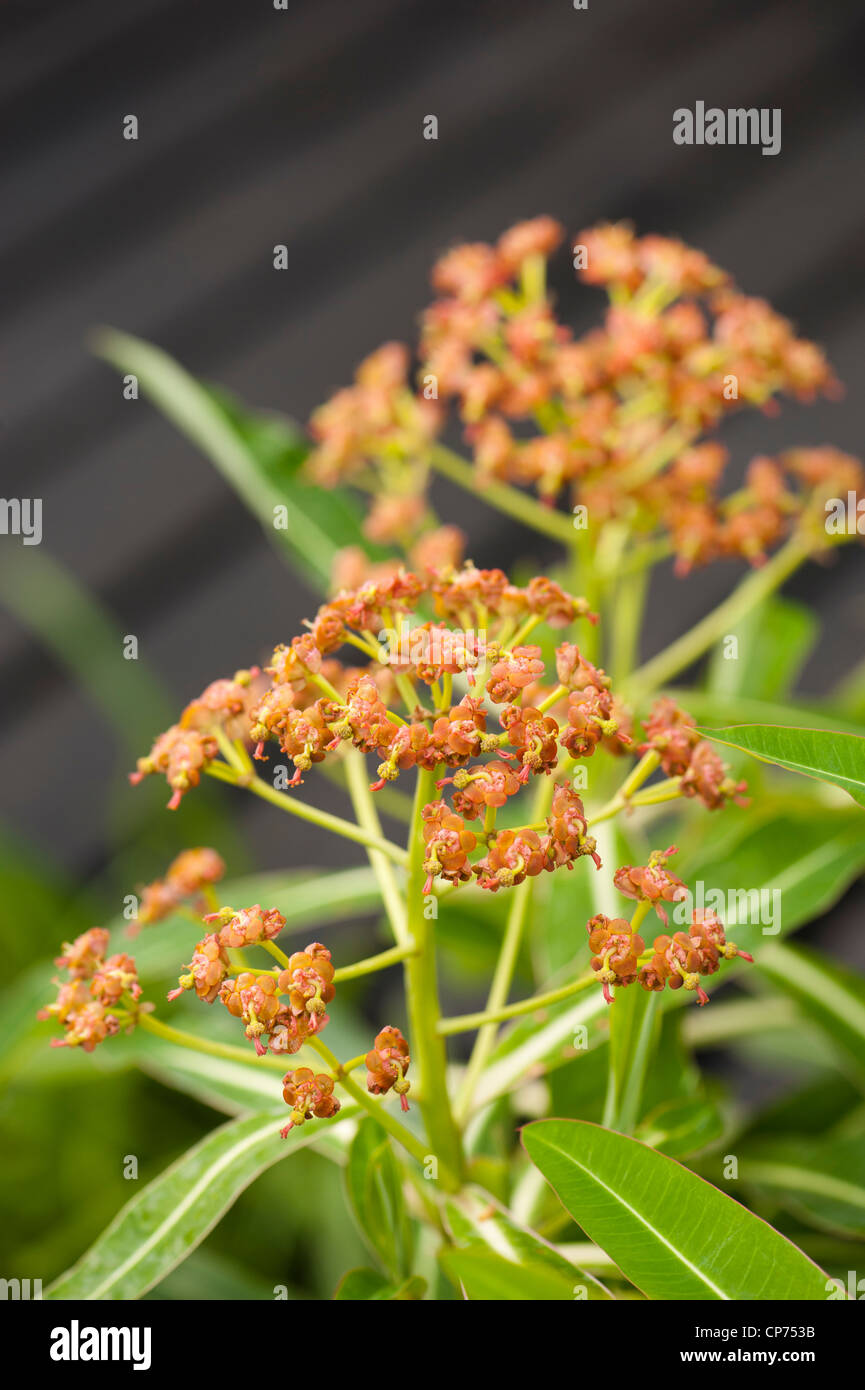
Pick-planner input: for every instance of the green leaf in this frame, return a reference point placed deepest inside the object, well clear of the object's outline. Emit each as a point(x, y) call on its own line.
point(367, 1284)
point(672, 1234)
point(488, 1277)
point(774, 641)
point(374, 1187)
point(850, 694)
point(258, 455)
point(635, 1022)
point(710, 707)
point(830, 995)
point(172, 1215)
point(478, 1223)
point(820, 1182)
point(73, 624)
point(827, 755)
point(681, 1126)
point(229, 1087)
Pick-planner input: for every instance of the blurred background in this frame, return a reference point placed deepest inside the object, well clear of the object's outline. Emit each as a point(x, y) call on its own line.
point(304, 127)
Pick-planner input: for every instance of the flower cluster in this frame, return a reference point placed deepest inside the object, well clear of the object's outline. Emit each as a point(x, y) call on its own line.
point(512, 723)
point(193, 871)
point(619, 953)
point(309, 1094)
point(386, 1065)
point(100, 996)
point(684, 754)
point(185, 750)
point(618, 415)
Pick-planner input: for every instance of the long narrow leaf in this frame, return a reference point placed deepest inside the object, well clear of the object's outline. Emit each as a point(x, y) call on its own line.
point(670, 1232)
point(166, 1221)
point(259, 456)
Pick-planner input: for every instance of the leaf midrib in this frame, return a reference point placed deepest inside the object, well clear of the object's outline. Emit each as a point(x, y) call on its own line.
point(639, 1217)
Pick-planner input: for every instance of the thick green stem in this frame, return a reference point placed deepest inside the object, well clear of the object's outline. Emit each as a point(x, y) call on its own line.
point(752, 590)
point(424, 1010)
point(629, 603)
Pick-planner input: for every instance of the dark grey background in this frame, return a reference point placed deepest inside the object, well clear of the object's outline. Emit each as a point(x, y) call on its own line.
point(259, 127)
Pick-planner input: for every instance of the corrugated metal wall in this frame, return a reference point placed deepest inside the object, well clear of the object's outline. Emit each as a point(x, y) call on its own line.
point(260, 126)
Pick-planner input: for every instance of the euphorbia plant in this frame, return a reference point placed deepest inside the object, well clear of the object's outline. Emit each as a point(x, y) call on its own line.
point(490, 698)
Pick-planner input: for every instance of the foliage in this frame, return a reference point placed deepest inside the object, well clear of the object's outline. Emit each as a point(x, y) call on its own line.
point(620, 1186)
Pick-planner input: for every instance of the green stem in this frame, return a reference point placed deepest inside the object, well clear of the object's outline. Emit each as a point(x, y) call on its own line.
point(630, 600)
point(367, 815)
point(640, 913)
point(505, 966)
point(213, 1049)
point(757, 586)
point(504, 498)
point(375, 1108)
point(336, 824)
point(274, 950)
point(466, 1023)
point(423, 999)
point(373, 963)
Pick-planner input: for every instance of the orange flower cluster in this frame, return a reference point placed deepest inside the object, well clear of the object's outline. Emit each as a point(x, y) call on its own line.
point(511, 724)
point(185, 877)
point(387, 1063)
point(620, 957)
point(684, 754)
point(100, 996)
point(309, 1095)
point(184, 751)
point(618, 414)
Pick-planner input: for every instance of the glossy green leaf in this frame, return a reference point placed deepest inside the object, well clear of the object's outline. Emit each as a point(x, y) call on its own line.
point(672, 1234)
point(374, 1187)
point(367, 1285)
point(488, 1277)
point(172, 1215)
point(825, 754)
point(476, 1222)
point(258, 455)
point(830, 995)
